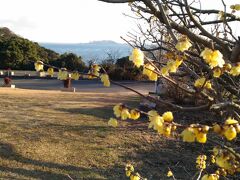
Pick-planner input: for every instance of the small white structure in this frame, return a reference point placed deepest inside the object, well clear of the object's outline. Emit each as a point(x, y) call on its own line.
point(71, 89)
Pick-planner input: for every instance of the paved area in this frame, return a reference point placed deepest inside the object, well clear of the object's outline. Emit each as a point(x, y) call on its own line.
point(81, 85)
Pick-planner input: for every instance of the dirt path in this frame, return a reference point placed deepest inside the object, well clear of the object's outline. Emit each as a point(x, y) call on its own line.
point(81, 85)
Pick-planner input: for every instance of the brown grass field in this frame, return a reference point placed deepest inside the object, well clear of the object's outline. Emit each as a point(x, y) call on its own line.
point(62, 135)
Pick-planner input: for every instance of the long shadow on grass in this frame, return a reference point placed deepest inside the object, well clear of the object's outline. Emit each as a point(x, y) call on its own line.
point(153, 160)
point(33, 173)
point(7, 151)
point(100, 112)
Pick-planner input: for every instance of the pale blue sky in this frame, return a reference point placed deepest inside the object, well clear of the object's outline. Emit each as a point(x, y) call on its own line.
point(65, 20)
point(70, 21)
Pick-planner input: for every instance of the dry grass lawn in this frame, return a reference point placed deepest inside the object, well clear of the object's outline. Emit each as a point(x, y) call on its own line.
point(54, 135)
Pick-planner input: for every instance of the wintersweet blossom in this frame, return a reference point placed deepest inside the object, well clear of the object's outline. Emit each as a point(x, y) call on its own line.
point(50, 71)
point(230, 133)
point(129, 169)
point(75, 76)
point(137, 57)
point(95, 69)
point(188, 135)
point(194, 133)
point(226, 160)
point(135, 177)
point(62, 74)
point(117, 109)
point(183, 44)
point(169, 173)
point(200, 82)
point(125, 114)
point(210, 177)
point(172, 66)
point(235, 70)
point(134, 114)
point(113, 122)
point(168, 116)
point(149, 71)
point(217, 72)
point(235, 7)
point(201, 162)
point(156, 123)
point(38, 66)
point(105, 80)
point(213, 58)
point(165, 71)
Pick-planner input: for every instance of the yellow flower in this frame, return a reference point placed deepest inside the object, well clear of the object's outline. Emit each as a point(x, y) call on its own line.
point(172, 66)
point(129, 169)
point(169, 173)
point(134, 177)
point(217, 72)
point(128, 173)
point(230, 133)
point(117, 109)
point(213, 58)
point(178, 62)
point(235, 71)
point(113, 122)
point(167, 116)
point(183, 44)
point(165, 130)
point(125, 114)
point(38, 66)
point(210, 177)
point(222, 160)
point(89, 75)
point(153, 76)
point(156, 122)
point(134, 114)
point(62, 74)
point(75, 76)
point(188, 135)
point(213, 160)
point(201, 137)
point(105, 80)
point(227, 67)
point(199, 83)
point(50, 71)
point(217, 128)
point(148, 70)
point(235, 7)
point(230, 121)
point(201, 162)
point(137, 57)
point(152, 113)
point(95, 68)
point(165, 71)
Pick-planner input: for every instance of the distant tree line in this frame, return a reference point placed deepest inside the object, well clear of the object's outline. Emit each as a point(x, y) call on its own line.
point(19, 54)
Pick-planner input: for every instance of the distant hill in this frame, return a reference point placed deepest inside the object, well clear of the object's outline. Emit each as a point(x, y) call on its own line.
point(97, 50)
point(19, 53)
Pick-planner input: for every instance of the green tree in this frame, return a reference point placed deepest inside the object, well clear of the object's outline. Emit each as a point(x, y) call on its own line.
point(70, 61)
